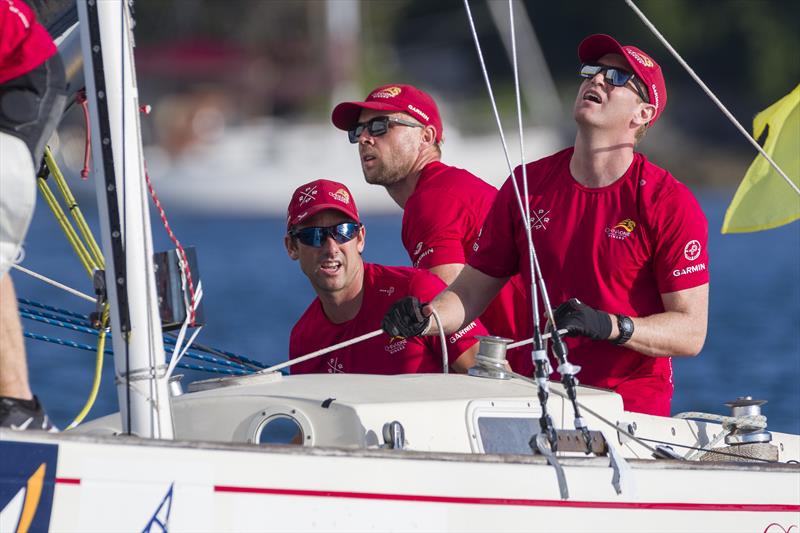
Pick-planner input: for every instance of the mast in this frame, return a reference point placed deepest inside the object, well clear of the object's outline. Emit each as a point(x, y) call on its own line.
point(139, 361)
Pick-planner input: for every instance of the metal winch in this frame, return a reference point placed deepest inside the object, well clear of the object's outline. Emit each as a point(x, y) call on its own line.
point(745, 408)
point(490, 362)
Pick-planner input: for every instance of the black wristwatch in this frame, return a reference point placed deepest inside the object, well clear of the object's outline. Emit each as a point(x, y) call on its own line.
point(625, 325)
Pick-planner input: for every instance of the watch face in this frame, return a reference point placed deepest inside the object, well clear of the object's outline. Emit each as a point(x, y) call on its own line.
point(625, 325)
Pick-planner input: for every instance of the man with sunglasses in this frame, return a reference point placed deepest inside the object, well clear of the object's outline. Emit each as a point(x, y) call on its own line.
point(399, 134)
point(325, 235)
point(620, 241)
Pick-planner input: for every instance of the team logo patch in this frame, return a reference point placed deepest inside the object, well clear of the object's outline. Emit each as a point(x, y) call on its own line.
point(540, 218)
point(387, 92)
point(692, 250)
point(341, 195)
point(640, 58)
point(309, 194)
point(388, 291)
point(396, 345)
point(621, 230)
point(335, 366)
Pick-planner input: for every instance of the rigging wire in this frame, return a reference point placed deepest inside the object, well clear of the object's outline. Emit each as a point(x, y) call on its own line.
point(54, 283)
point(711, 95)
point(539, 355)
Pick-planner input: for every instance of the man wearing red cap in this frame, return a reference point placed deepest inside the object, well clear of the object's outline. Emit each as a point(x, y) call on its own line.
point(31, 100)
point(399, 134)
point(325, 235)
point(620, 241)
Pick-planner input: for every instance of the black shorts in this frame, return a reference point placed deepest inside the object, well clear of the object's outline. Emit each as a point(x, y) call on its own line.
point(31, 105)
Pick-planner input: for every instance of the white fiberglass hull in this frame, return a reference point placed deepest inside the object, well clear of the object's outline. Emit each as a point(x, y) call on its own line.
point(113, 484)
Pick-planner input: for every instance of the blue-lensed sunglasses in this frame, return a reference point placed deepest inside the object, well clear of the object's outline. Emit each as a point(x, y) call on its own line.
point(615, 76)
point(317, 235)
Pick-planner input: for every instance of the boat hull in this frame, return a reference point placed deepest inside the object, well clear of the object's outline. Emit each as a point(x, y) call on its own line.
point(125, 484)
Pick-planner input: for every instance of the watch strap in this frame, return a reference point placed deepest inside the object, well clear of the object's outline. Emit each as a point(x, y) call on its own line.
point(625, 325)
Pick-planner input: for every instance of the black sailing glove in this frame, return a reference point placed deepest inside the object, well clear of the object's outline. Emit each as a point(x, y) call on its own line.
point(580, 319)
point(405, 319)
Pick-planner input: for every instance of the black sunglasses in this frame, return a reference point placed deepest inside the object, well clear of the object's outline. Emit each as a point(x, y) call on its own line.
point(377, 126)
point(615, 76)
point(317, 235)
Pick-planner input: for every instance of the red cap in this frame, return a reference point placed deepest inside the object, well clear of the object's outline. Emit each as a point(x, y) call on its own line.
point(311, 198)
point(395, 98)
point(646, 69)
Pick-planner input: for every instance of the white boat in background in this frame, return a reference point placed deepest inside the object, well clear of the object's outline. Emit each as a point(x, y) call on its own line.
point(340, 452)
point(249, 168)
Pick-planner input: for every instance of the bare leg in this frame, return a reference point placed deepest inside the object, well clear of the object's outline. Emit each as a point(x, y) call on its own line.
point(13, 368)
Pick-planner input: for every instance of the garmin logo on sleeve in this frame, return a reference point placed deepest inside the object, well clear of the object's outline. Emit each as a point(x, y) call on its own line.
point(689, 270)
point(458, 334)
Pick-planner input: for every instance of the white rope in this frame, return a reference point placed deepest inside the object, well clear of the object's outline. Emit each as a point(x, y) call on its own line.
point(747, 422)
point(711, 95)
point(323, 351)
point(530, 340)
point(443, 340)
point(178, 351)
point(55, 283)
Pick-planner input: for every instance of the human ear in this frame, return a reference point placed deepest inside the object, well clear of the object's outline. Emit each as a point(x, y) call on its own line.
point(291, 247)
point(644, 114)
point(361, 239)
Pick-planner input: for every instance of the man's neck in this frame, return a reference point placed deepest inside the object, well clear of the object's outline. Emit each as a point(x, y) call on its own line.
point(403, 189)
point(343, 306)
point(599, 159)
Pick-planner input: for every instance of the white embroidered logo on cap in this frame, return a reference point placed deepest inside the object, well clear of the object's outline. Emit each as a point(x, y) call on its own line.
point(307, 195)
point(419, 112)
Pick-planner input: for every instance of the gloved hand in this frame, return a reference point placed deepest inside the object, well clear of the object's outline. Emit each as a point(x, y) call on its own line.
point(580, 319)
point(405, 319)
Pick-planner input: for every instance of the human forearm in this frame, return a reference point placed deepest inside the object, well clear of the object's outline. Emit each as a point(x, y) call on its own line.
point(671, 333)
point(465, 299)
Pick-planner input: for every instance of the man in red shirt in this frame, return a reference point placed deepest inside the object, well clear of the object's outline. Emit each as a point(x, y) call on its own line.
point(325, 235)
point(31, 100)
point(620, 241)
point(399, 134)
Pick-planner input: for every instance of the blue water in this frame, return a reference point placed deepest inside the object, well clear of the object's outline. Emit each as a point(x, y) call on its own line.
point(253, 293)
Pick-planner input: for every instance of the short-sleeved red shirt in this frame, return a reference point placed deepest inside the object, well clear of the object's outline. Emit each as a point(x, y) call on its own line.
point(441, 221)
point(383, 286)
point(616, 248)
point(24, 43)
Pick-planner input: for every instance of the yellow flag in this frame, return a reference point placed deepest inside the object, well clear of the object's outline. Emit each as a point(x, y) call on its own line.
point(764, 200)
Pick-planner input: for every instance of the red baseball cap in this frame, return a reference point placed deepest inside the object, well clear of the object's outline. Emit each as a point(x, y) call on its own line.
point(317, 196)
point(396, 98)
point(646, 69)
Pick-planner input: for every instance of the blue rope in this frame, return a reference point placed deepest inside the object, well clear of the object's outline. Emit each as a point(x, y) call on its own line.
point(90, 348)
point(243, 359)
point(91, 331)
point(51, 308)
point(54, 316)
point(240, 361)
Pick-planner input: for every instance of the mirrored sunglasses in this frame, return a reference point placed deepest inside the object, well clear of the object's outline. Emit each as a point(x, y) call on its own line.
point(615, 76)
point(317, 235)
point(377, 126)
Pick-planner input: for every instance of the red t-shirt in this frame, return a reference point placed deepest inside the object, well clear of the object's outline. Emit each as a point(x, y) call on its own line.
point(441, 221)
point(24, 43)
point(383, 286)
point(616, 248)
